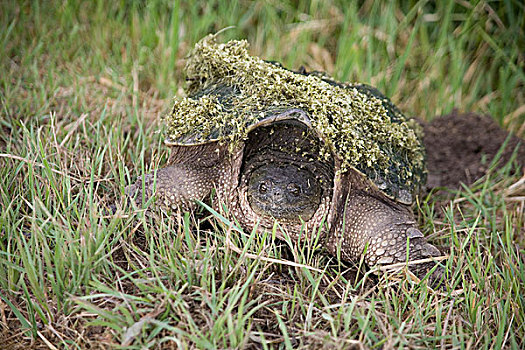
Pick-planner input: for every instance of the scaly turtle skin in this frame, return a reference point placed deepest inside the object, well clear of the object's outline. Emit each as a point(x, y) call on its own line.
point(296, 148)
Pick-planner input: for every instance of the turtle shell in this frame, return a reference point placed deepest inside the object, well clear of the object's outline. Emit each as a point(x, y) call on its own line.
point(230, 93)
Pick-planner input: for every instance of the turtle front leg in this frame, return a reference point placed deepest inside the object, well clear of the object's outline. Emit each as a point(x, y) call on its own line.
point(174, 186)
point(380, 229)
point(194, 171)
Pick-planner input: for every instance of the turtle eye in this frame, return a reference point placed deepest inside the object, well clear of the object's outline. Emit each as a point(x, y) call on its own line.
point(263, 188)
point(294, 189)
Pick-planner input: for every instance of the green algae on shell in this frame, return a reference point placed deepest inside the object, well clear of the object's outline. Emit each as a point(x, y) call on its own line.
point(229, 91)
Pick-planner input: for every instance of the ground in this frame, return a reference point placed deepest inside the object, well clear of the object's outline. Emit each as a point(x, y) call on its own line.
point(461, 148)
point(455, 159)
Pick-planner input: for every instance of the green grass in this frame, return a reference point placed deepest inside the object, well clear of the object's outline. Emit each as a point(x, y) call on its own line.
point(82, 85)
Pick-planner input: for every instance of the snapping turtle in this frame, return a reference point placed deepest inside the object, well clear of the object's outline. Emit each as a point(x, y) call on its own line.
point(297, 148)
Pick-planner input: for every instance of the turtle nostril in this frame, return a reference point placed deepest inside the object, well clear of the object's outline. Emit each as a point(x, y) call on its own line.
point(277, 196)
point(263, 188)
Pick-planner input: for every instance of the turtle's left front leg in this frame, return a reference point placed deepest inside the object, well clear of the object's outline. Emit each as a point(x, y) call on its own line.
point(384, 231)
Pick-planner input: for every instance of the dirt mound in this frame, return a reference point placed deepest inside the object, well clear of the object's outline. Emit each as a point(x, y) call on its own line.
point(461, 147)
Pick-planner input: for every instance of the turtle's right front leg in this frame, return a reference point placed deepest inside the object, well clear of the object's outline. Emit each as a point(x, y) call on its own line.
point(174, 186)
point(193, 172)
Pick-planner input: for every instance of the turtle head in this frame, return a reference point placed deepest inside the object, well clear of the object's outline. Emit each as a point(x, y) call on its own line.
point(283, 177)
point(284, 192)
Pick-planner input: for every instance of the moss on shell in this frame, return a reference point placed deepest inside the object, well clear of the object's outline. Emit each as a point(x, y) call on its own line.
point(362, 126)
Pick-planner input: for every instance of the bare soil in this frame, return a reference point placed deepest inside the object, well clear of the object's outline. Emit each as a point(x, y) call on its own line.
point(461, 147)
